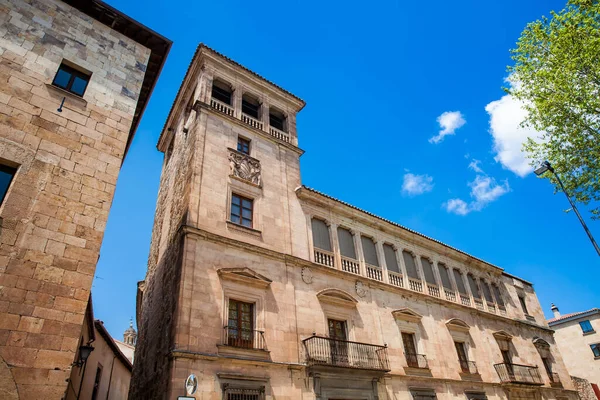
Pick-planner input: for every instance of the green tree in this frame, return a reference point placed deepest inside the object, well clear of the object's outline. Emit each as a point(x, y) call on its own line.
point(556, 74)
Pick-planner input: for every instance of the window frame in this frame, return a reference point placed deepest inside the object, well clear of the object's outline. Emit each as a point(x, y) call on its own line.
point(241, 212)
point(244, 141)
point(224, 83)
point(595, 347)
point(523, 303)
point(591, 330)
point(246, 105)
point(12, 171)
point(75, 73)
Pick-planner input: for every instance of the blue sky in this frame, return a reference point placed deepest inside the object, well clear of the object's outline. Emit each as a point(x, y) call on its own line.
point(380, 80)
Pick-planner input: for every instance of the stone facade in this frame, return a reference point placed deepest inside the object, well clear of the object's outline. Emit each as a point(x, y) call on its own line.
point(251, 307)
point(67, 151)
point(574, 341)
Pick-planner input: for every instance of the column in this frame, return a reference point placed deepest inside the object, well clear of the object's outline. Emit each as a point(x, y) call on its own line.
point(359, 252)
point(311, 245)
point(237, 101)
point(335, 245)
point(264, 114)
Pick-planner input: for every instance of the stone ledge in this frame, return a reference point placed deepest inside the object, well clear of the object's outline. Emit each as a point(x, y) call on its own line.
point(238, 352)
point(244, 229)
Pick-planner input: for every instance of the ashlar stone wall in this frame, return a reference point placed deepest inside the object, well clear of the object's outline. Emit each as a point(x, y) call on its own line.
point(53, 218)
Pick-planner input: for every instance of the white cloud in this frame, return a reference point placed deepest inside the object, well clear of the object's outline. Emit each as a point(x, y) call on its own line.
point(506, 116)
point(474, 165)
point(449, 121)
point(416, 184)
point(484, 190)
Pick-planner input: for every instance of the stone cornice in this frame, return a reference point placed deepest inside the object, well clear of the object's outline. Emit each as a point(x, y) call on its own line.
point(299, 262)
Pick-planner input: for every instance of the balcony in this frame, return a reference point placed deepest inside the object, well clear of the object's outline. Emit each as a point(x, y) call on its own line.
point(324, 257)
point(416, 360)
point(516, 373)
point(325, 351)
point(253, 122)
point(350, 265)
point(281, 135)
point(244, 338)
point(468, 367)
point(374, 272)
point(221, 107)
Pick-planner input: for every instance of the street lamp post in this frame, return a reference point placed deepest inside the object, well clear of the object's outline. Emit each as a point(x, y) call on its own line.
point(547, 167)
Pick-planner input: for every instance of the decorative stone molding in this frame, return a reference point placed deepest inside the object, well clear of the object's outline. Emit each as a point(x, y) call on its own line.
point(307, 275)
point(244, 275)
point(337, 297)
point(457, 325)
point(503, 335)
point(361, 290)
point(406, 314)
point(245, 167)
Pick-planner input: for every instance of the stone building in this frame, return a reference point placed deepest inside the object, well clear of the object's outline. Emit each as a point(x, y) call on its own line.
point(267, 289)
point(578, 338)
point(127, 346)
point(75, 77)
point(106, 372)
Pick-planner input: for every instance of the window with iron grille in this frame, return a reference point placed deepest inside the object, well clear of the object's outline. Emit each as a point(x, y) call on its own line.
point(586, 326)
point(237, 393)
point(6, 176)
point(71, 79)
point(241, 210)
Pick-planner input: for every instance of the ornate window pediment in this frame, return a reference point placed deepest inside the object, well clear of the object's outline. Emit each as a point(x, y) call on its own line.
point(244, 275)
point(337, 297)
point(406, 314)
point(540, 343)
point(503, 336)
point(456, 324)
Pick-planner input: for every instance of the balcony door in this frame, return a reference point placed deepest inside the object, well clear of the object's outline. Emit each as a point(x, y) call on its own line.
point(240, 327)
point(463, 359)
point(338, 346)
point(410, 349)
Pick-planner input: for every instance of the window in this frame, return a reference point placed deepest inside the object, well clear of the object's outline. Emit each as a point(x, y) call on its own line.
point(276, 119)
point(411, 267)
point(428, 271)
point(423, 394)
point(487, 293)
point(346, 243)
point(547, 365)
point(460, 283)
point(444, 275)
point(410, 349)
point(71, 80)
point(506, 358)
point(221, 91)
point(241, 210)
point(369, 251)
point(320, 232)
point(523, 304)
point(596, 349)
point(240, 325)
point(498, 296)
point(233, 393)
point(476, 396)
point(96, 388)
point(473, 286)
point(390, 258)
point(243, 145)
point(463, 359)
point(6, 176)
point(337, 329)
point(586, 326)
point(250, 106)
point(338, 347)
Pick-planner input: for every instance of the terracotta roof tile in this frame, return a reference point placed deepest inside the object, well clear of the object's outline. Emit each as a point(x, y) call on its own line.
point(571, 315)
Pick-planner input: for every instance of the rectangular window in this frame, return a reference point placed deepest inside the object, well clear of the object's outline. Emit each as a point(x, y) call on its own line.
point(473, 286)
point(428, 271)
point(369, 251)
point(320, 232)
point(463, 358)
point(232, 393)
point(460, 283)
point(523, 305)
point(337, 329)
point(243, 145)
point(250, 106)
point(71, 80)
point(346, 243)
point(410, 346)
point(586, 326)
point(487, 293)
point(423, 395)
point(241, 210)
point(6, 176)
point(390, 258)
point(221, 91)
point(277, 119)
point(498, 296)
point(96, 387)
point(595, 349)
point(445, 276)
point(476, 396)
point(411, 267)
point(506, 358)
point(240, 325)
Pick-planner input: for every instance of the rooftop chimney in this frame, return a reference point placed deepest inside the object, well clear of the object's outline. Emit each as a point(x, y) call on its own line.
point(555, 311)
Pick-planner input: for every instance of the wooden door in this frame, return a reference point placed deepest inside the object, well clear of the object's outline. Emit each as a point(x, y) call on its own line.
point(339, 345)
point(240, 327)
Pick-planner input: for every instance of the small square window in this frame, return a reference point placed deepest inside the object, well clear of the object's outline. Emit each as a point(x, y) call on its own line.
point(596, 349)
point(586, 326)
point(6, 176)
point(241, 210)
point(71, 80)
point(243, 145)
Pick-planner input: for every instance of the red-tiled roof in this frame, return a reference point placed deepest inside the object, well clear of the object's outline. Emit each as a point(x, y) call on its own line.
point(571, 315)
point(409, 230)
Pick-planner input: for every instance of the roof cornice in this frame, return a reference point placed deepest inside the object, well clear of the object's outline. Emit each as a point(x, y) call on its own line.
point(573, 317)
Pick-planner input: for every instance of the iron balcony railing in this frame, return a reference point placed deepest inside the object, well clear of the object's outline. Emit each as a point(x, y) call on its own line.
point(468, 367)
point(244, 338)
point(321, 350)
point(416, 360)
point(516, 373)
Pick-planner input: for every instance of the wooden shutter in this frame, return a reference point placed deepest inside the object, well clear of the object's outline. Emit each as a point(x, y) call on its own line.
point(428, 271)
point(460, 283)
point(444, 275)
point(487, 293)
point(473, 286)
point(498, 296)
point(320, 232)
point(411, 267)
point(390, 258)
point(369, 251)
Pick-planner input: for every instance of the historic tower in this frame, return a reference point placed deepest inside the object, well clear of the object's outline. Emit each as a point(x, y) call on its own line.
point(130, 335)
point(265, 289)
